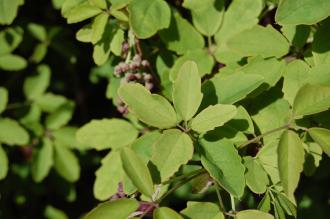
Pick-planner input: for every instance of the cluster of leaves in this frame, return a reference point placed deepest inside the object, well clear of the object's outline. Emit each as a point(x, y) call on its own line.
point(237, 108)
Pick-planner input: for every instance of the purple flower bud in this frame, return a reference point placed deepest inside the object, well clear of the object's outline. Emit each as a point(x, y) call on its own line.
point(130, 77)
point(125, 47)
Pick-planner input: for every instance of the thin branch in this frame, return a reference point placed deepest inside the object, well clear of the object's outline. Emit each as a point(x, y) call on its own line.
point(199, 171)
point(232, 202)
point(217, 189)
point(255, 139)
point(173, 189)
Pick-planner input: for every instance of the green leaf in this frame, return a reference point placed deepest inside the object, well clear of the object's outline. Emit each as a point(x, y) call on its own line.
point(39, 52)
point(278, 210)
point(253, 214)
point(66, 163)
point(319, 75)
point(173, 149)
point(187, 94)
point(295, 75)
point(85, 33)
point(10, 39)
point(202, 58)
point(148, 16)
point(144, 145)
point(43, 161)
point(202, 210)
point(137, 171)
point(302, 11)
point(3, 163)
point(207, 17)
point(103, 48)
point(106, 209)
point(290, 161)
point(311, 99)
point(264, 204)
point(242, 121)
point(166, 213)
point(98, 27)
point(117, 41)
point(286, 204)
point(54, 213)
point(152, 109)
point(119, 4)
point(313, 157)
point(263, 41)
point(8, 10)
point(256, 177)
point(109, 175)
point(181, 36)
point(321, 44)
point(67, 136)
point(257, 66)
point(268, 158)
point(267, 107)
point(3, 99)
point(241, 15)
point(37, 31)
point(107, 133)
point(12, 62)
point(99, 3)
point(296, 34)
point(60, 117)
point(11, 133)
point(35, 86)
point(82, 12)
point(213, 116)
point(322, 137)
point(49, 102)
point(222, 161)
point(229, 89)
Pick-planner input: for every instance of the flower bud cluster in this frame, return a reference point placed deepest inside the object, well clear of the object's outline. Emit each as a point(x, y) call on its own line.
point(133, 71)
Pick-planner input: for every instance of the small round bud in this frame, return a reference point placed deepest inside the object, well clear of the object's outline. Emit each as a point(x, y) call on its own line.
point(137, 58)
point(149, 85)
point(125, 47)
point(145, 63)
point(147, 77)
point(130, 77)
point(138, 76)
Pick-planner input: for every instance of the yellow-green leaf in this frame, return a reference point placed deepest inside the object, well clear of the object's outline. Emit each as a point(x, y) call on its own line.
point(187, 95)
point(152, 109)
point(253, 214)
point(166, 213)
point(137, 171)
point(173, 149)
point(290, 161)
point(118, 209)
point(107, 133)
point(322, 137)
point(212, 117)
point(311, 99)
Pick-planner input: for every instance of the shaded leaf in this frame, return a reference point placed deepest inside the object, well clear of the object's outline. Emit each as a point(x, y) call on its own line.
point(137, 171)
point(11, 133)
point(322, 137)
